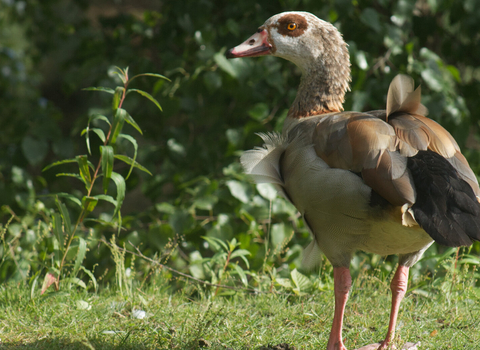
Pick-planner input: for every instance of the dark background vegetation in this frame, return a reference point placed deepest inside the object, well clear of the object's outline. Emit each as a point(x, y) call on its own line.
point(51, 49)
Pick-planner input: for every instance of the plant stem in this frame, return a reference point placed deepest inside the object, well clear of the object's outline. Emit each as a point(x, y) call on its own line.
point(95, 177)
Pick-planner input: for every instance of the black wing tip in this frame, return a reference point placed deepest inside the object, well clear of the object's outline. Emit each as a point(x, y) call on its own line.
point(446, 206)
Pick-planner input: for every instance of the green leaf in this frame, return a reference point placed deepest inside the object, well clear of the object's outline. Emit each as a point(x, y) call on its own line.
point(81, 252)
point(132, 122)
point(92, 277)
point(84, 171)
point(117, 96)
point(135, 147)
point(117, 127)
point(99, 133)
point(224, 64)
point(216, 243)
point(83, 305)
point(133, 164)
point(58, 229)
point(267, 191)
point(65, 161)
point(76, 281)
point(242, 253)
point(100, 88)
point(68, 196)
point(241, 273)
point(77, 176)
point(34, 282)
point(147, 95)
point(280, 232)
point(65, 216)
point(205, 202)
point(155, 75)
point(87, 137)
point(89, 203)
point(301, 282)
point(120, 183)
point(98, 116)
point(165, 208)
point(107, 165)
point(239, 190)
point(284, 282)
point(106, 198)
point(259, 112)
point(123, 74)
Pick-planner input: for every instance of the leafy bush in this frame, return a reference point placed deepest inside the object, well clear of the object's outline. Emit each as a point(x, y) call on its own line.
point(212, 110)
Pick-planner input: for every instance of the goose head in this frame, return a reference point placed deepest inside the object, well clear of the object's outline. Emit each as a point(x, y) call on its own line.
point(316, 47)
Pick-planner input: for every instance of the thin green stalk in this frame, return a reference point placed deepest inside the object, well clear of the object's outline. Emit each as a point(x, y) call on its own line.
point(95, 177)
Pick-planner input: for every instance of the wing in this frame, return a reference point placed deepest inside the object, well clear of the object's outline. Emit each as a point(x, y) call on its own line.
point(378, 144)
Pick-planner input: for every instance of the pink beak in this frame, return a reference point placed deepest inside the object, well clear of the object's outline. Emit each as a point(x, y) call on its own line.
point(256, 45)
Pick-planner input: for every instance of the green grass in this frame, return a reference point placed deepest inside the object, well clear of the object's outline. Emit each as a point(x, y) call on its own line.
point(439, 316)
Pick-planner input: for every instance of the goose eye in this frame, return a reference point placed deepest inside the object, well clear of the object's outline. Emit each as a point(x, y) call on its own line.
point(292, 26)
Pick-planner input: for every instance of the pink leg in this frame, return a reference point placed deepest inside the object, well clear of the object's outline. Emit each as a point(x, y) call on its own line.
point(342, 283)
point(398, 287)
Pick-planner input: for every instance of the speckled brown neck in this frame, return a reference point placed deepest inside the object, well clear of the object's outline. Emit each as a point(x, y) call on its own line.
point(320, 91)
point(317, 94)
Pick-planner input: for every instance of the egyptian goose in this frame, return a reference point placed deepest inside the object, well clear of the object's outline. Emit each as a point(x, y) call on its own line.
point(386, 182)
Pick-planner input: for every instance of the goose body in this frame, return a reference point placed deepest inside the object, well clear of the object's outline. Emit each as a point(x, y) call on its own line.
point(386, 182)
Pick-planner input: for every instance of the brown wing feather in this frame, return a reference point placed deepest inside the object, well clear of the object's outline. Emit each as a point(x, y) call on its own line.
point(378, 144)
point(366, 144)
point(391, 179)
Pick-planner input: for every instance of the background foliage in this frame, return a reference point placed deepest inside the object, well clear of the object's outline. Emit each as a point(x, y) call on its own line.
point(51, 49)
